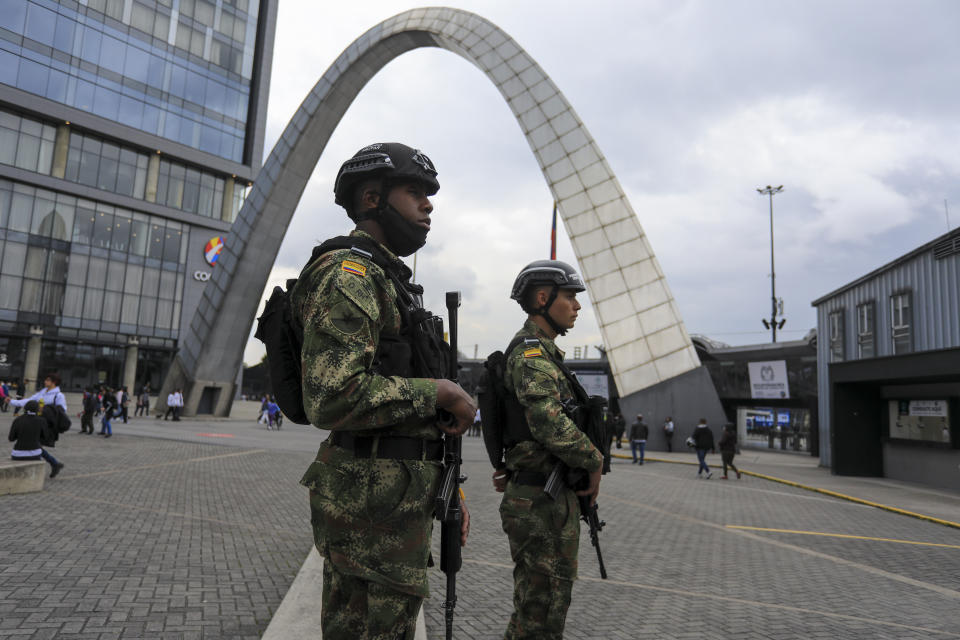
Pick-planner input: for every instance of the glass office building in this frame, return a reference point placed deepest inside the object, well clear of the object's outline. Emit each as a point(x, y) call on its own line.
point(130, 131)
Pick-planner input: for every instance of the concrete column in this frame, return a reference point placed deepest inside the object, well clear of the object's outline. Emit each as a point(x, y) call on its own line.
point(31, 368)
point(130, 364)
point(153, 177)
point(226, 211)
point(61, 146)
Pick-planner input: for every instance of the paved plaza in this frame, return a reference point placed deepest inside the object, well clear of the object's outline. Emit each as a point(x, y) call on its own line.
point(197, 529)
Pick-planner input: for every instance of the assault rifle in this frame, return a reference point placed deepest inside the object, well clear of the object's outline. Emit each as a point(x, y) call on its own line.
point(447, 508)
point(562, 476)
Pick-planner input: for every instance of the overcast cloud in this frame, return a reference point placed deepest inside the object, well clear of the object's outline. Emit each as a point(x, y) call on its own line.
point(850, 105)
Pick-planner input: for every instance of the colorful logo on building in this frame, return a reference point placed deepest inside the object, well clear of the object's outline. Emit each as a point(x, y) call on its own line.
point(212, 251)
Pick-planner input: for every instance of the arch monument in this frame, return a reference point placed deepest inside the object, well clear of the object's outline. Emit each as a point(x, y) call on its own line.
point(651, 356)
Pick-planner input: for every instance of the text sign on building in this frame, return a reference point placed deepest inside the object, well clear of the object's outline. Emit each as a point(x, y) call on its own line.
point(594, 382)
point(769, 379)
point(931, 408)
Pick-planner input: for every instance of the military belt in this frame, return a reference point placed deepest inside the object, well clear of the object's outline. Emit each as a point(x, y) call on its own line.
point(530, 478)
point(391, 447)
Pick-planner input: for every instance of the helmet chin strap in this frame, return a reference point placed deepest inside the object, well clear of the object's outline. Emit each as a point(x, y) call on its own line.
point(403, 237)
point(545, 311)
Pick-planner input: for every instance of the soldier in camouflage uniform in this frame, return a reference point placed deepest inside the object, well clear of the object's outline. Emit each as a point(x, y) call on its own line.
point(373, 483)
point(544, 534)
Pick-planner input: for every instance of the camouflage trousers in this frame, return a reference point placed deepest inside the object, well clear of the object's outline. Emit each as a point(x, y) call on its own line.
point(544, 540)
point(355, 609)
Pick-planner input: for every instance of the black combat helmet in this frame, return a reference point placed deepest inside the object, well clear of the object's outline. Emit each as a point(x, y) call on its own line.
point(549, 273)
point(389, 161)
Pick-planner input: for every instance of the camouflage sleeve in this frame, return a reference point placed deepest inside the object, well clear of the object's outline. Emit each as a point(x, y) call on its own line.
point(342, 318)
point(538, 390)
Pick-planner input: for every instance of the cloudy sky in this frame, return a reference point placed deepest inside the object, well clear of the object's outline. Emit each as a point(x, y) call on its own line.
point(852, 106)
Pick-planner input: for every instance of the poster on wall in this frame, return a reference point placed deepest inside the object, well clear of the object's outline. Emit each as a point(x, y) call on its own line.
point(769, 379)
point(926, 420)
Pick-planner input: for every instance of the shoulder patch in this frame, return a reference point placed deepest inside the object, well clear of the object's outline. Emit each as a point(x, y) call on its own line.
point(354, 267)
point(532, 352)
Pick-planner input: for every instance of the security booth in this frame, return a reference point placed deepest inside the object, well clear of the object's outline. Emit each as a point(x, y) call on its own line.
point(889, 369)
point(768, 390)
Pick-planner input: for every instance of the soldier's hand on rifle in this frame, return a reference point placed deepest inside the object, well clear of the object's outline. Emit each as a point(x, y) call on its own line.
point(452, 398)
point(464, 523)
point(594, 489)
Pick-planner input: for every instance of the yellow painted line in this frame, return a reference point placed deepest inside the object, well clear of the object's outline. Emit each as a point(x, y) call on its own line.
point(826, 492)
point(844, 535)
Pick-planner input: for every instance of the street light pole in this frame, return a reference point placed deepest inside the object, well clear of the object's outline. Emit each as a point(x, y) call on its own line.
point(772, 191)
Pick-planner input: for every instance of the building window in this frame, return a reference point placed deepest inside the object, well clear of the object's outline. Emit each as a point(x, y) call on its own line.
point(866, 330)
point(836, 336)
point(900, 322)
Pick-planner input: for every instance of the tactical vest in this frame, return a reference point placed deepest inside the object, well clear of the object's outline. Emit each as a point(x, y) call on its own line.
point(507, 424)
point(418, 350)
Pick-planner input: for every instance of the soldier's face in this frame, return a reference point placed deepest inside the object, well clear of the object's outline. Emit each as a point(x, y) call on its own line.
point(564, 309)
point(411, 201)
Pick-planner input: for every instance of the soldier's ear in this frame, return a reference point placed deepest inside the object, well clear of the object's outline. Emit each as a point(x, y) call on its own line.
point(369, 197)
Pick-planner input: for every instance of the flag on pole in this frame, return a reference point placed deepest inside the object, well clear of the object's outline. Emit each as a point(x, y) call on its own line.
point(553, 233)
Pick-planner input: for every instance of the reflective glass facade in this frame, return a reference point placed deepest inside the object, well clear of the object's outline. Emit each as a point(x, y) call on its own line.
point(178, 69)
point(80, 264)
point(130, 131)
point(28, 143)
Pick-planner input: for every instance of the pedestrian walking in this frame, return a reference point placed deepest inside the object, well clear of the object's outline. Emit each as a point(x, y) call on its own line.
point(30, 433)
point(124, 401)
point(110, 410)
point(728, 449)
point(273, 413)
point(619, 426)
point(475, 430)
point(91, 404)
point(703, 443)
point(639, 431)
point(544, 533)
point(374, 375)
point(143, 401)
point(668, 432)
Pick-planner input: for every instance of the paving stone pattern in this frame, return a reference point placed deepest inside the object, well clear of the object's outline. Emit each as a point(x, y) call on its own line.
point(158, 539)
point(192, 537)
point(677, 571)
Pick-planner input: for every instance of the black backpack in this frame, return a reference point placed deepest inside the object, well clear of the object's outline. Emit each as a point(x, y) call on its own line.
point(282, 334)
point(499, 409)
point(504, 422)
point(57, 418)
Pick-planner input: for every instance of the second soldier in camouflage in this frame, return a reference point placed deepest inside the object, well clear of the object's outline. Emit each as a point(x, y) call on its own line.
point(544, 533)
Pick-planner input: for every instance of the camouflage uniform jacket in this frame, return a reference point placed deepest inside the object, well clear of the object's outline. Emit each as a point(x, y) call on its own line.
point(541, 387)
point(372, 517)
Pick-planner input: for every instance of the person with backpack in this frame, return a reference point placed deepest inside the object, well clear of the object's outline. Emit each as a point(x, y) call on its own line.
point(373, 368)
point(91, 404)
point(544, 532)
point(728, 449)
point(49, 395)
point(28, 432)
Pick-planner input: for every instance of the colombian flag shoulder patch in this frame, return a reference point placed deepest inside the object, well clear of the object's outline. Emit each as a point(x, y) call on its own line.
point(354, 267)
point(533, 352)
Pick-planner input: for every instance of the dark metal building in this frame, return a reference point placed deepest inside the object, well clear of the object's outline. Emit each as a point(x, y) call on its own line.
point(130, 131)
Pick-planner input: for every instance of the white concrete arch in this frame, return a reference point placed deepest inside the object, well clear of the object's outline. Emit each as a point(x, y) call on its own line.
point(641, 325)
